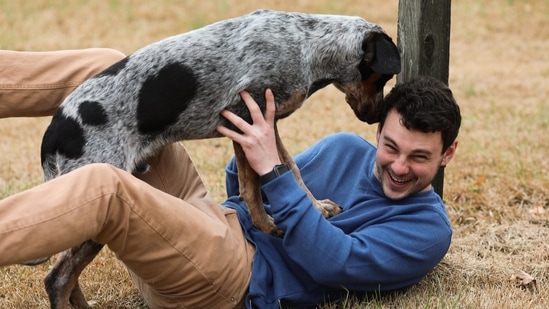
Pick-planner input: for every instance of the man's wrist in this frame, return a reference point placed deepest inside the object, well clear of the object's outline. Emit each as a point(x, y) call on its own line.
point(277, 171)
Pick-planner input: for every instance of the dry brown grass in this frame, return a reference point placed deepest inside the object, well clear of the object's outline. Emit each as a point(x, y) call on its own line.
point(496, 189)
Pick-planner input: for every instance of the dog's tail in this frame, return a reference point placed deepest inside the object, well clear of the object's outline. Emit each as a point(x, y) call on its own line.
point(48, 154)
point(63, 138)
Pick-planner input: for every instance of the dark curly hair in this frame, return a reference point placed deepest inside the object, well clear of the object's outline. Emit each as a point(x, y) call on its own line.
point(425, 104)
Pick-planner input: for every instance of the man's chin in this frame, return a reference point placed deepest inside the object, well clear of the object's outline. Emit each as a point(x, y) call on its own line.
point(395, 191)
point(395, 194)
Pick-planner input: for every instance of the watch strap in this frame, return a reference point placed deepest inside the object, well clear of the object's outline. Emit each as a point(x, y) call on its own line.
point(275, 173)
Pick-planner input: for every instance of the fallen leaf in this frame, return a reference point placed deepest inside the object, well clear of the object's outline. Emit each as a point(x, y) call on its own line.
point(480, 180)
point(538, 210)
point(525, 280)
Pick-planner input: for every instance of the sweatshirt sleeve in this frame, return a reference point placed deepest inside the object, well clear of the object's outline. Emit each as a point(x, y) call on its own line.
point(391, 250)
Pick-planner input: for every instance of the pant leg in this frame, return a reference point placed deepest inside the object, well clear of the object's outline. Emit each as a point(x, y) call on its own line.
point(184, 257)
point(172, 171)
point(36, 83)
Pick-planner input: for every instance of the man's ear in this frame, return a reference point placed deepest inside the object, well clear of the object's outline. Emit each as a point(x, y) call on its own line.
point(449, 154)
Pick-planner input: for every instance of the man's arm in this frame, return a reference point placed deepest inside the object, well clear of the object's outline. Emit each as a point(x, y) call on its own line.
point(391, 246)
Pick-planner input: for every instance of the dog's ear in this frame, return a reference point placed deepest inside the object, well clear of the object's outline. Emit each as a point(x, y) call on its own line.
point(381, 54)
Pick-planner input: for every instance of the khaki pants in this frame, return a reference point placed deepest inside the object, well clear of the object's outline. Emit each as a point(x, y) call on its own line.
point(35, 83)
point(182, 249)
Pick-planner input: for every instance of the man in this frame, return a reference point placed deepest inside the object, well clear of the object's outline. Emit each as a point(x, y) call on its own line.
point(185, 251)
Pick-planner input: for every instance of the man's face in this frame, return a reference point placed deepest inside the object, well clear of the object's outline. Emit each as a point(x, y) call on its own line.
point(408, 160)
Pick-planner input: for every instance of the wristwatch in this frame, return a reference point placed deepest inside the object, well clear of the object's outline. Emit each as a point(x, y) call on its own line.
point(275, 173)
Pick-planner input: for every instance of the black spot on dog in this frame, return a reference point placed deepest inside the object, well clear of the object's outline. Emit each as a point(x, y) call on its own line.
point(114, 69)
point(92, 113)
point(163, 97)
point(65, 136)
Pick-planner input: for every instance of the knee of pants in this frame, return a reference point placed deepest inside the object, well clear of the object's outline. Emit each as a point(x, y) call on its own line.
point(105, 167)
point(107, 55)
point(114, 53)
point(101, 171)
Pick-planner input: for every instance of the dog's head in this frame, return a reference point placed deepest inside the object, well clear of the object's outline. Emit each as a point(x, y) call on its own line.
point(380, 62)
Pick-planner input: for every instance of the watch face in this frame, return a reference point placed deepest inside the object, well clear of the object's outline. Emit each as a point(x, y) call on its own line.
point(280, 169)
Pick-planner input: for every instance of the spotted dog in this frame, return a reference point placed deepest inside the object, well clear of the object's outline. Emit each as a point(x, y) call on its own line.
point(175, 89)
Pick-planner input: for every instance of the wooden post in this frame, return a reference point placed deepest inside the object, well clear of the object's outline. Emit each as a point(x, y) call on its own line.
point(424, 44)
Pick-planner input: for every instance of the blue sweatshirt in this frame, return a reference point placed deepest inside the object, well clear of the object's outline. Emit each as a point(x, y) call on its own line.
point(375, 244)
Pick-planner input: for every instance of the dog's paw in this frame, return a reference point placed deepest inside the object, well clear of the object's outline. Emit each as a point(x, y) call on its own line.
point(327, 208)
point(271, 229)
point(266, 225)
point(277, 233)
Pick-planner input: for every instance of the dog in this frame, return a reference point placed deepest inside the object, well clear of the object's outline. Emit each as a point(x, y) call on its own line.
point(175, 89)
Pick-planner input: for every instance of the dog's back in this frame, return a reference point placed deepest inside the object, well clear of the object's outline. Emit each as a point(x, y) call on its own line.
point(175, 89)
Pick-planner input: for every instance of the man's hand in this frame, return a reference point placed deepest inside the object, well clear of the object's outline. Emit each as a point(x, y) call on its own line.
point(258, 139)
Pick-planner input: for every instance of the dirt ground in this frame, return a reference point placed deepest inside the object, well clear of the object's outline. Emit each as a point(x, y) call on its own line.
point(496, 189)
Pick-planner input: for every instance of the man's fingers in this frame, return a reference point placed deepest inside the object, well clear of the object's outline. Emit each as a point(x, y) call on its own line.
point(227, 132)
point(254, 109)
point(255, 112)
point(234, 119)
point(271, 107)
point(251, 105)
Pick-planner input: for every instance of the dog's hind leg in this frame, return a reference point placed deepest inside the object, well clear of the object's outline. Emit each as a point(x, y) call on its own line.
point(326, 207)
point(36, 262)
point(250, 191)
point(62, 281)
point(77, 298)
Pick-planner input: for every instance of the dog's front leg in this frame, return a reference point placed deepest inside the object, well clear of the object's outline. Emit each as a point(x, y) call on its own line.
point(326, 207)
point(250, 191)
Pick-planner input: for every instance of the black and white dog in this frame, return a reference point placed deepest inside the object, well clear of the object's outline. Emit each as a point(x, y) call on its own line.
point(175, 89)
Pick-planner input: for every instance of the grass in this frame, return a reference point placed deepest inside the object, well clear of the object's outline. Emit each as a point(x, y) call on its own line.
point(496, 189)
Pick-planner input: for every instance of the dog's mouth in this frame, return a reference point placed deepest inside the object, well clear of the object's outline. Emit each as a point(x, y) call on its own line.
point(365, 97)
point(367, 110)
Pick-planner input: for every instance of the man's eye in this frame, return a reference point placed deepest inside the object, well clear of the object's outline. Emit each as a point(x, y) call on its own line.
point(421, 158)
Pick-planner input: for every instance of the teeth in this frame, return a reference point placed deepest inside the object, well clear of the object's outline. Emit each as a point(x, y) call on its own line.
point(398, 180)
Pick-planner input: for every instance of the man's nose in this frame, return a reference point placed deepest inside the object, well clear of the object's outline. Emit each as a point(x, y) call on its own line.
point(400, 166)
